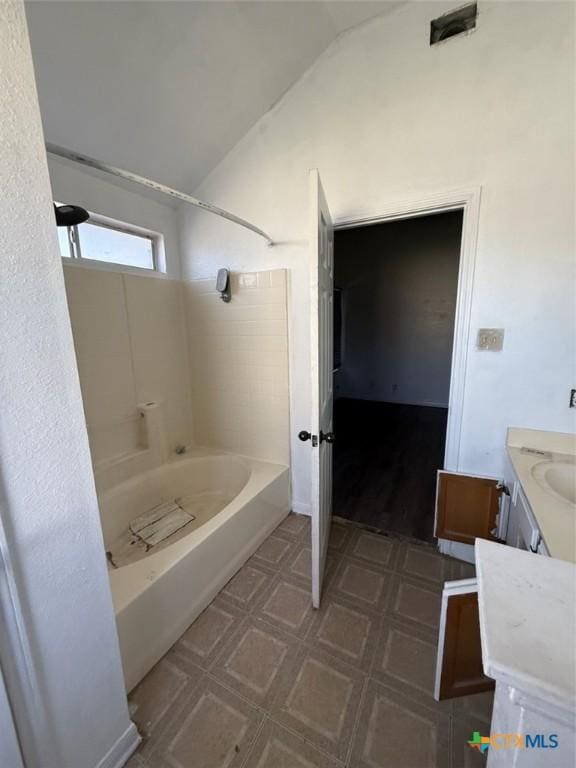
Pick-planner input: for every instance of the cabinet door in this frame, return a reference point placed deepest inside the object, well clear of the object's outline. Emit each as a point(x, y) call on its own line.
point(459, 670)
point(468, 507)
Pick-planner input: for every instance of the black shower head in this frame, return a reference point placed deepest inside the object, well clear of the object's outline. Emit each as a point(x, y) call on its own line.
point(70, 215)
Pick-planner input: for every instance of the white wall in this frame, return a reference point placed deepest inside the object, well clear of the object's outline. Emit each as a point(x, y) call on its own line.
point(77, 186)
point(239, 364)
point(387, 118)
point(399, 283)
point(131, 347)
point(51, 541)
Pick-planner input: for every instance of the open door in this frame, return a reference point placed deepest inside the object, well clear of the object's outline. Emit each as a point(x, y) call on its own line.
point(469, 507)
point(459, 670)
point(321, 239)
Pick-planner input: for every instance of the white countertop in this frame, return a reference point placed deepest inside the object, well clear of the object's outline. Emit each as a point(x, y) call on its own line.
point(555, 516)
point(528, 621)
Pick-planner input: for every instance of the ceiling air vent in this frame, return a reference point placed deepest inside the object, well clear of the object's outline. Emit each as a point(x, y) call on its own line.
point(453, 23)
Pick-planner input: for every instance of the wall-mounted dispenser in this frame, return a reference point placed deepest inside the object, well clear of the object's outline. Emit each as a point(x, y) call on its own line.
point(223, 284)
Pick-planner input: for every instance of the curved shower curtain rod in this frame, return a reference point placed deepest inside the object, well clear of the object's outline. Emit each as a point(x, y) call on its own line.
point(91, 162)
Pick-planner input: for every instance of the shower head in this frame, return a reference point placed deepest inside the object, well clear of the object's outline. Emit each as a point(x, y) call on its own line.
point(70, 215)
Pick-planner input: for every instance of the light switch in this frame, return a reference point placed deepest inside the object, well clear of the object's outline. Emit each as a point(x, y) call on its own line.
point(490, 338)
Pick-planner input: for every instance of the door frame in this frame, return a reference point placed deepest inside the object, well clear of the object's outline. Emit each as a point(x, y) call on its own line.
point(468, 201)
point(20, 673)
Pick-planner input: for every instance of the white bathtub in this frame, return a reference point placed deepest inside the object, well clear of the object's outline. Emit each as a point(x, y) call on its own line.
point(160, 595)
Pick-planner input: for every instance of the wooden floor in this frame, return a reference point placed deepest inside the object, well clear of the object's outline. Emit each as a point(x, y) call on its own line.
point(385, 462)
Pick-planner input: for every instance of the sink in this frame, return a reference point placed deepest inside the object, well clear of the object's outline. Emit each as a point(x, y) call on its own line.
point(558, 477)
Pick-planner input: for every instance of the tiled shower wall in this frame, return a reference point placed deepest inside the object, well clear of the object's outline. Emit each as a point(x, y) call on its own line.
point(130, 340)
point(239, 364)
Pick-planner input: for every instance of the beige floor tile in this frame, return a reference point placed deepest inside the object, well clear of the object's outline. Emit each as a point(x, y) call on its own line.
point(254, 659)
point(294, 527)
point(418, 601)
point(373, 548)
point(204, 639)
point(463, 755)
point(278, 748)
point(396, 732)
point(136, 761)
point(340, 535)
point(157, 692)
point(406, 660)
point(247, 586)
point(211, 728)
point(319, 699)
point(287, 605)
point(273, 553)
point(345, 630)
point(362, 583)
point(424, 563)
point(477, 707)
point(460, 570)
point(299, 566)
point(264, 649)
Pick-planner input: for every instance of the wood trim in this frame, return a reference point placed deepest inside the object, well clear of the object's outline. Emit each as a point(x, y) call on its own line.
point(467, 507)
point(467, 200)
point(460, 652)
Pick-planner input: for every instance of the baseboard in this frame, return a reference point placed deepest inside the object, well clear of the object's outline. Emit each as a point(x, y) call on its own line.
point(122, 750)
point(301, 507)
point(457, 549)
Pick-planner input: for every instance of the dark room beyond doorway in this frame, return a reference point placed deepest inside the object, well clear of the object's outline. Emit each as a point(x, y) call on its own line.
point(395, 299)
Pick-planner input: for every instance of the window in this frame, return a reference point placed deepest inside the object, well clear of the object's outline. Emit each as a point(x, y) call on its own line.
point(111, 242)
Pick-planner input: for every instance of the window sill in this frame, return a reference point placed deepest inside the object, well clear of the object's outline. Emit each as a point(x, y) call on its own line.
point(105, 266)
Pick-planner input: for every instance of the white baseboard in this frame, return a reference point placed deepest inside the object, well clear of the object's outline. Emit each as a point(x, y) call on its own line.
point(122, 750)
point(301, 507)
point(457, 549)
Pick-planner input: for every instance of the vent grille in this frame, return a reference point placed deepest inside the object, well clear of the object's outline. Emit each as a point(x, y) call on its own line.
point(454, 23)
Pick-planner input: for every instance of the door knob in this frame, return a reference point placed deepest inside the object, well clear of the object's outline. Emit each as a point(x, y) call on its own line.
point(303, 435)
point(327, 436)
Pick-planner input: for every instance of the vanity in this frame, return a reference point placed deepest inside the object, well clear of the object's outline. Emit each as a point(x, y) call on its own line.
point(513, 626)
point(541, 478)
point(528, 630)
point(532, 506)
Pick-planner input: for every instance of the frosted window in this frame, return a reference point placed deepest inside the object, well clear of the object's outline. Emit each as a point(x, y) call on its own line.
point(115, 247)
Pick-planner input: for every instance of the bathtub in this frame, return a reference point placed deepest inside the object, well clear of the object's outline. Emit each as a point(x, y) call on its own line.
point(158, 595)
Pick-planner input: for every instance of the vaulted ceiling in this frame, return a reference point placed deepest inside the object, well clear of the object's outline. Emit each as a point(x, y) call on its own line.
point(166, 89)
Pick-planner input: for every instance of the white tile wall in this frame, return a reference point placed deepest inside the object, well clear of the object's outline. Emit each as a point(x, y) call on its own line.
point(157, 326)
point(239, 364)
point(130, 339)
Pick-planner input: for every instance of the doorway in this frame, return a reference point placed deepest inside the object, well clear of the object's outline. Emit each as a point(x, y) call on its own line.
point(395, 305)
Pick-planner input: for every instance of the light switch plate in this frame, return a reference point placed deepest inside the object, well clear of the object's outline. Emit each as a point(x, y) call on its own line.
point(490, 339)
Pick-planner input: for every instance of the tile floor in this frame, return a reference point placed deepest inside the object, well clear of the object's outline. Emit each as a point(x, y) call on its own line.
point(261, 680)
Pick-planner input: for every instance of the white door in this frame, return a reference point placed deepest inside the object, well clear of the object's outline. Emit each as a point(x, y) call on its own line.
point(322, 272)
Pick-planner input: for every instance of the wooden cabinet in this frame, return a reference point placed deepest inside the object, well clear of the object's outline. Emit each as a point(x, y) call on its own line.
point(459, 669)
point(470, 507)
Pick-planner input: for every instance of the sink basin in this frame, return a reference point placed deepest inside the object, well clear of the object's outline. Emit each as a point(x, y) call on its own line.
point(558, 477)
